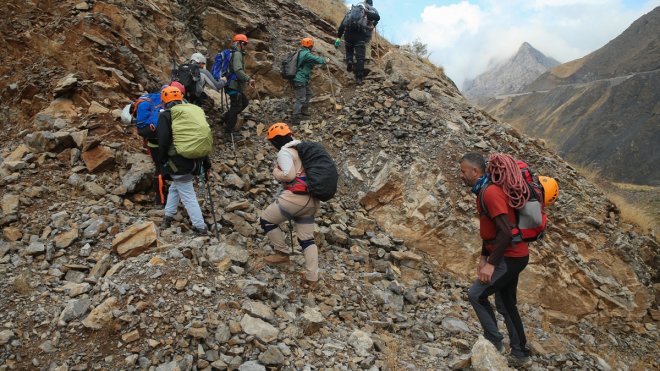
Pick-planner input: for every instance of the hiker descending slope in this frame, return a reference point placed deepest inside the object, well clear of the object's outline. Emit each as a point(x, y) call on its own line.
point(184, 141)
point(356, 29)
point(305, 62)
point(501, 259)
point(299, 201)
point(236, 87)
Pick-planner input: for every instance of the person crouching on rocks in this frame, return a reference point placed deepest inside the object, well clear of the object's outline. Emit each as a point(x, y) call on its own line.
point(293, 203)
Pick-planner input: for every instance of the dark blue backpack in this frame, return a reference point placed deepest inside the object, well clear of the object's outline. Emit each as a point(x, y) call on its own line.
point(146, 109)
point(221, 66)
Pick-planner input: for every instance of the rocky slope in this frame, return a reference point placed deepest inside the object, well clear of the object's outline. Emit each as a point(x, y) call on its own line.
point(89, 282)
point(600, 111)
point(510, 76)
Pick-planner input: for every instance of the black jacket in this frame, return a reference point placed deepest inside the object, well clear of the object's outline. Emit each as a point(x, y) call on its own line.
point(176, 164)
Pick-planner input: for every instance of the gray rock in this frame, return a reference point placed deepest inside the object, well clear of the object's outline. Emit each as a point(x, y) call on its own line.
point(35, 248)
point(216, 253)
point(95, 228)
point(454, 325)
point(251, 366)
point(74, 309)
point(361, 342)
point(5, 336)
point(237, 254)
point(272, 356)
point(258, 309)
point(264, 331)
point(222, 334)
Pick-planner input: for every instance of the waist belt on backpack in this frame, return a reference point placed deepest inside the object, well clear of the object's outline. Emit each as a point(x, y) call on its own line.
point(297, 186)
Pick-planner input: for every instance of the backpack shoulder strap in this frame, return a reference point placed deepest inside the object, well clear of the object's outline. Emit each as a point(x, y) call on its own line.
point(482, 203)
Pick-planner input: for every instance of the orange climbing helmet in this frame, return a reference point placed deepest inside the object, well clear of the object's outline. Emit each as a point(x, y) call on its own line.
point(170, 94)
point(550, 189)
point(240, 37)
point(279, 128)
point(307, 42)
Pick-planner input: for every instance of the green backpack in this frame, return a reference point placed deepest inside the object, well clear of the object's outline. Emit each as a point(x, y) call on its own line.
point(191, 132)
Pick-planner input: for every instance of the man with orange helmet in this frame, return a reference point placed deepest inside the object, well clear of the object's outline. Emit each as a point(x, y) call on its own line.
point(237, 99)
point(293, 203)
point(179, 168)
point(302, 90)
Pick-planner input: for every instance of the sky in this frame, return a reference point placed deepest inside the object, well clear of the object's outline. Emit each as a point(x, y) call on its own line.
point(465, 36)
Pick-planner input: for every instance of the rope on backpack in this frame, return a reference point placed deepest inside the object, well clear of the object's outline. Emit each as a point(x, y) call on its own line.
point(504, 172)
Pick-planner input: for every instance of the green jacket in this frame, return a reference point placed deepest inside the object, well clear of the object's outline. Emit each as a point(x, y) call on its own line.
point(306, 62)
point(238, 66)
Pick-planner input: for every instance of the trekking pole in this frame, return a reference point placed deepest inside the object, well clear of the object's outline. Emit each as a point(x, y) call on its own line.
point(208, 192)
point(291, 235)
point(332, 87)
point(233, 145)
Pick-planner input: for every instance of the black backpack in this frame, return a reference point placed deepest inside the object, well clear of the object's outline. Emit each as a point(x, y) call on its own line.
point(188, 75)
point(320, 170)
point(290, 66)
point(357, 19)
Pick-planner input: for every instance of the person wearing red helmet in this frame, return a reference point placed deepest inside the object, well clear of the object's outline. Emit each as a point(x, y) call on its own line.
point(237, 99)
point(301, 87)
point(293, 203)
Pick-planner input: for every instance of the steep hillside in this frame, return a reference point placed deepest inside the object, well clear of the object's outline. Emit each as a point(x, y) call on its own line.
point(510, 76)
point(601, 111)
point(89, 282)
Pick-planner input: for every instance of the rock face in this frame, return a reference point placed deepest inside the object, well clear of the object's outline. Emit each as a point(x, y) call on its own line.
point(510, 76)
point(600, 111)
point(397, 246)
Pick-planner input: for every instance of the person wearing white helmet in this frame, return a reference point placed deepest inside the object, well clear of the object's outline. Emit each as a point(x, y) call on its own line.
point(206, 76)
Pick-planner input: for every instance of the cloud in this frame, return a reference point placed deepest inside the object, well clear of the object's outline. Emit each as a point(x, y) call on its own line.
point(465, 37)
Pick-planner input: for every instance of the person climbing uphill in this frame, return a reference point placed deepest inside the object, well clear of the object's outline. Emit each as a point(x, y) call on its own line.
point(501, 260)
point(236, 88)
point(301, 86)
point(181, 128)
point(357, 27)
point(293, 203)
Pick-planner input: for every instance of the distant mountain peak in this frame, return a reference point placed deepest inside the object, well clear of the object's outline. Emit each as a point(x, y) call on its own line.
point(510, 76)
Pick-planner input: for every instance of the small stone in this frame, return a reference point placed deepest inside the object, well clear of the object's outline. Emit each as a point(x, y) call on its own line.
point(131, 336)
point(198, 332)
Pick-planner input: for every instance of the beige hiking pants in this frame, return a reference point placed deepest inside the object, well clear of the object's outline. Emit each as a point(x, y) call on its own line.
point(301, 209)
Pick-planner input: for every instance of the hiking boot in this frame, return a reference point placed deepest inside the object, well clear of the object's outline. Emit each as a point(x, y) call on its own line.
point(295, 120)
point(200, 231)
point(520, 361)
point(359, 81)
point(277, 258)
point(167, 222)
point(349, 67)
point(305, 112)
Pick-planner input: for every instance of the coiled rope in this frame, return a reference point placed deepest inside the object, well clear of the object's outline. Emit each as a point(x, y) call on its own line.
point(504, 172)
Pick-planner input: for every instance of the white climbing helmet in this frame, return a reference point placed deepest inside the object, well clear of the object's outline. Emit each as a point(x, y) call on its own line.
point(198, 57)
point(126, 117)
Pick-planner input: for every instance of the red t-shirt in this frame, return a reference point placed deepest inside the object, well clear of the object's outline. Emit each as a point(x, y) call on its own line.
point(497, 204)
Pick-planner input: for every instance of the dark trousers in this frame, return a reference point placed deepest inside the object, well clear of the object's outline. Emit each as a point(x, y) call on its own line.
point(504, 284)
point(356, 51)
point(303, 94)
point(237, 103)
